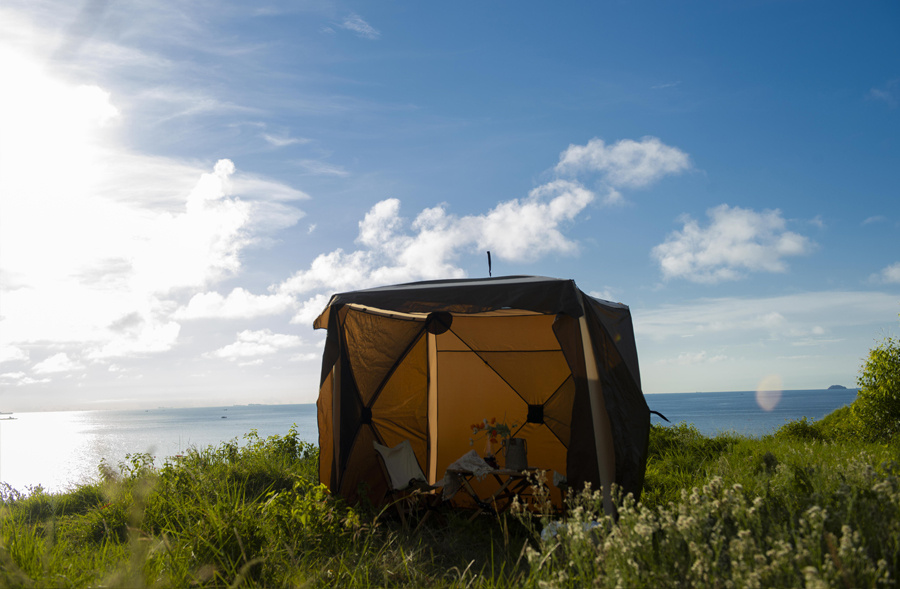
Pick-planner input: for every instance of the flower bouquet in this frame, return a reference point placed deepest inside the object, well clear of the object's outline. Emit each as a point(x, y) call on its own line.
point(493, 432)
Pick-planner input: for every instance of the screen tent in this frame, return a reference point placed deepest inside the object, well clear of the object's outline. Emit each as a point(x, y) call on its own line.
point(424, 361)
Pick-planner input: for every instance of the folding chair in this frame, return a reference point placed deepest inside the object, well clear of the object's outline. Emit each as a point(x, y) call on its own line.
point(407, 485)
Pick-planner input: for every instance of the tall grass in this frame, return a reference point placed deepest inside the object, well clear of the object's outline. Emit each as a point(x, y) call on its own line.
point(807, 506)
point(783, 511)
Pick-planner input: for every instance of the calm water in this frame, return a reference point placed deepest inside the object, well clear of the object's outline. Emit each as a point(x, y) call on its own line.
point(747, 413)
point(60, 449)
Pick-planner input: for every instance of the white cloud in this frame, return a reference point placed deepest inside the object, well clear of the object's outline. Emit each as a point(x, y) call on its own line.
point(148, 337)
point(283, 141)
point(395, 250)
point(355, 23)
point(57, 363)
point(607, 294)
point(251, 344)
point(99, 243)
point(888, 275)
point(239, 304)
point(736, 241)
point(874, 219)
point(530, 229)
point(613, 197)
point(310, 309)
point(320, 168)
point(626, 163)
point(12, 354)
point(21, 379)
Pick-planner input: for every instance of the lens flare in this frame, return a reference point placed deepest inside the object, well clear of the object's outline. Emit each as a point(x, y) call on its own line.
point(768, 392)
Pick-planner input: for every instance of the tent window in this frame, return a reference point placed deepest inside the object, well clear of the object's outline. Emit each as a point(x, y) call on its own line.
point(535, 414)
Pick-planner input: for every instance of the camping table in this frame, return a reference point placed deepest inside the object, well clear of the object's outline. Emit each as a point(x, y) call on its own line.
point(512, 483)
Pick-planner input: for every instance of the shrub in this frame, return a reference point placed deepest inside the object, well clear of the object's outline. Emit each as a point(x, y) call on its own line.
point(877, 406)
point(801, 429)
point(839, 424)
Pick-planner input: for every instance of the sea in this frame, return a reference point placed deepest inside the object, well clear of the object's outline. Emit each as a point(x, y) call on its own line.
point(58, 450)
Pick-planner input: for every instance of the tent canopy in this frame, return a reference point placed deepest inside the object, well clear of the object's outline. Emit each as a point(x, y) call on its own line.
point(424, 361)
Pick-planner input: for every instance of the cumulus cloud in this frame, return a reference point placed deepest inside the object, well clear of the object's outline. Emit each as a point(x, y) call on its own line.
point(393, 248)
point(310, 309)
point(888, 275)
point(57, 363)
point(735, 242)
point(397, 250)
point(239, 304)
point(152, 335)
point(607, 294)
point(252, 344)
point(12, 354)
point(356, 24)
point(626, 163)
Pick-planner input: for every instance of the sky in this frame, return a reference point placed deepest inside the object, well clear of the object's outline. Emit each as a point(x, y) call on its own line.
point(183, 185)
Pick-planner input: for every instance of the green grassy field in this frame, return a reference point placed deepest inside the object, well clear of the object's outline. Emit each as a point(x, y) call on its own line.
point(804, 507)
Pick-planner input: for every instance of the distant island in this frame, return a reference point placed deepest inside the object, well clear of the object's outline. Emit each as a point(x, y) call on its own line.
point(836, 386)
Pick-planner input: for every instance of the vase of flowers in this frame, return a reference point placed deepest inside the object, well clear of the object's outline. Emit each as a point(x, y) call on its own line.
point(494, 432)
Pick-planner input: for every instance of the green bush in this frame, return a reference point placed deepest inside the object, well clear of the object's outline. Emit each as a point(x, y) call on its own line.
point(877, 406)
point(801, 429)
point(840, 424)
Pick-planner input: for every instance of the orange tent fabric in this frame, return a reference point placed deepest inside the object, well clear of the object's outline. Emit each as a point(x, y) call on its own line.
point(424, 361)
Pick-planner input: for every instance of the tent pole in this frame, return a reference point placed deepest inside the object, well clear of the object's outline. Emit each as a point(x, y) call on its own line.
point(606, 457)
point(431, 345)
point(336, 414)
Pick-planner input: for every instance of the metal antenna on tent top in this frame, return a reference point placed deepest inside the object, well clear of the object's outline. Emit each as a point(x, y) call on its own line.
point(489, 262)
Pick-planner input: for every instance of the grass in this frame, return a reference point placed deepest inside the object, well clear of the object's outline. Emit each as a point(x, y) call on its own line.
point(807, 506)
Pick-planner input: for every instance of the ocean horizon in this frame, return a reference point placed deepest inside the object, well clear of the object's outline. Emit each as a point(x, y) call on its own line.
point(58, 450)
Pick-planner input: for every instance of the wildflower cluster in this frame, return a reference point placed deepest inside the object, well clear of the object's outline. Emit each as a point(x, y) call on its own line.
point(719, 535)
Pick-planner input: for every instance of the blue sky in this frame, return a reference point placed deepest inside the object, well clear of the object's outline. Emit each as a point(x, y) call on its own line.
point(183, 185)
